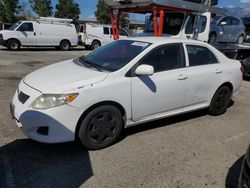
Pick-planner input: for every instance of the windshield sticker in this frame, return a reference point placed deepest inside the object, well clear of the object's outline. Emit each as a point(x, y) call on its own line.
point(141, 44)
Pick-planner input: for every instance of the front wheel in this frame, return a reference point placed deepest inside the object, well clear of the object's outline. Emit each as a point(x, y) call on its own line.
point(220, 101)
point(101, 127)
point(13, 45)
point(212, 38)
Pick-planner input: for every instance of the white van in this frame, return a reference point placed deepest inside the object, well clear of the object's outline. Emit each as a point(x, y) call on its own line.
point(44, 32)
point(92, 36)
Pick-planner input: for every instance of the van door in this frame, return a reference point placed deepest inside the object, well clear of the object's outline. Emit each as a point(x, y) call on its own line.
point(107, 36)
point(27, 34)
point(197, 26)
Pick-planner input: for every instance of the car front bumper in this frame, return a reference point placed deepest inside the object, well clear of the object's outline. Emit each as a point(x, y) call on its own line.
point(52, 125)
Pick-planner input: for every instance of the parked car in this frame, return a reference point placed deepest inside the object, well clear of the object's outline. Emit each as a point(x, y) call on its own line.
point(246, 21)
point(49, 32)
point(5, 26)
point(92, 36)
point(226, 29)
point(244, 180)
point(123, 83)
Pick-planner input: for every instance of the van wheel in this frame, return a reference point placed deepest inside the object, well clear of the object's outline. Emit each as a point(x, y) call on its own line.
point(13, 45)
point(212, 38)
point(95, 45)
point(240, 39)
point(101, 127)
point(65, 45)
point(220, 101)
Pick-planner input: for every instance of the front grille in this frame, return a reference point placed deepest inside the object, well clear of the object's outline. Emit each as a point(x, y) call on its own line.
point(22, 97)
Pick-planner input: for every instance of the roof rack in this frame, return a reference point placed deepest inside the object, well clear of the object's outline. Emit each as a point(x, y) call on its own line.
point(187, 5)
point(53, 20)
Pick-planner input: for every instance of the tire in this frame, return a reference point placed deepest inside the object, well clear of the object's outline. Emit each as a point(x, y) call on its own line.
point(13, 45)
point(95, 45)
point(240, 39)
point(220, 101)
point(65, 45)
point(101, 127)
point(212, 38)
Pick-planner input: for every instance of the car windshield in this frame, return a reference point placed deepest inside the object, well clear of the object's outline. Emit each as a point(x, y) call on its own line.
point(14, 26)
point(113, 56)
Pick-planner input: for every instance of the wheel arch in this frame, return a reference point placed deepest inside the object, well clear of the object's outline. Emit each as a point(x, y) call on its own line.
point(228, 84)
point(13, 39)
point(112, 103)
point(65, 40)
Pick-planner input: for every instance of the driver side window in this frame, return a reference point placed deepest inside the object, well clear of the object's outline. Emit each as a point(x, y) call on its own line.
point(26, 27)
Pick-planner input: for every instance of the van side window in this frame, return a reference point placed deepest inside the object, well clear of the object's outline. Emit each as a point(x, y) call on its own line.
point(105, 30)
point(26, 27)
point(199, 55)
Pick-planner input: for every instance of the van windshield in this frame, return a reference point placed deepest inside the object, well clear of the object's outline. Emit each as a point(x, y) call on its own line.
point(113, 56)
point(172, 23)
point(14, 26)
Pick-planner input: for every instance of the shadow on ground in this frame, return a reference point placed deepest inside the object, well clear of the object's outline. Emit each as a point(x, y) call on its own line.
point(234, 173)
point(25, 163)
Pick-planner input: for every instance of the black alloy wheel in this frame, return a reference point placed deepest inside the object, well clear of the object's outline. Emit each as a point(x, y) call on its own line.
point(101, 127)
point(220, 101)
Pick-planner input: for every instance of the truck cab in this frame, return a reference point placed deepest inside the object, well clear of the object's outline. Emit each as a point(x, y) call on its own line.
point(181, 25)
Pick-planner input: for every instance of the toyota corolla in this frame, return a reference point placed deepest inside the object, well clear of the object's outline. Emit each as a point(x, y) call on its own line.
point(124, 83)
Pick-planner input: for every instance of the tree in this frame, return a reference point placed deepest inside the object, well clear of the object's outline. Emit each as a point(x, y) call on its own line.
point(8, 10)
point(102, 13)
point(41, 7)
point(103, 17)
point(67, 9)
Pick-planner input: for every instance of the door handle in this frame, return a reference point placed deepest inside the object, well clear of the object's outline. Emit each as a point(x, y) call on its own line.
point(34, 33)
point(218, 71)
point(182, 77)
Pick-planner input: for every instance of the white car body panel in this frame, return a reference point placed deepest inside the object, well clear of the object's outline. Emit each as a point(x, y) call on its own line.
point(169, 95)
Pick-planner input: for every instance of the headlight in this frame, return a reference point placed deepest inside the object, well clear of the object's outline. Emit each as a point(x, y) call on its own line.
point(52, 100)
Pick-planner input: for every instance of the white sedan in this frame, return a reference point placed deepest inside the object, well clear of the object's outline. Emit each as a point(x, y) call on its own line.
point(124, 83)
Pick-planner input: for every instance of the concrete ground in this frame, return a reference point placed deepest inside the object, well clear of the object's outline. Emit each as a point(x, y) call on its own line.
point(187, 151)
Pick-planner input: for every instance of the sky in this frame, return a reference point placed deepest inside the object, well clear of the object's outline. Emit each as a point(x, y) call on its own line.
point(88, 7)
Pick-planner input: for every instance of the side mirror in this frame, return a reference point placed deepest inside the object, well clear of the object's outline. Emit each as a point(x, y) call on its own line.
point(223, 23)
point(144, 70)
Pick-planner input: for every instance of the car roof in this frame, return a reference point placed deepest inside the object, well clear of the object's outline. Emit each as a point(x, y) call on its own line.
point(164, 40)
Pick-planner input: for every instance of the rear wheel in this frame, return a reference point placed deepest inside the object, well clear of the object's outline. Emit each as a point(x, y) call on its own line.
point(220, 101)
point(13, 45)
point(101, 127)
point(65, 45)
point(95, 45)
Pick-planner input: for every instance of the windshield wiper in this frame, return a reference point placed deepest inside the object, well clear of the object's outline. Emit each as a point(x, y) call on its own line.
point(91, 64)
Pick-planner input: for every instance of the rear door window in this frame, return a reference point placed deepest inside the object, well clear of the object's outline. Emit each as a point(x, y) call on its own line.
point(199, 55)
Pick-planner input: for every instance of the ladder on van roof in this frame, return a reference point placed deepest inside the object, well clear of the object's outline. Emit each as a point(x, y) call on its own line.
point(158, 7)
point(54, 20)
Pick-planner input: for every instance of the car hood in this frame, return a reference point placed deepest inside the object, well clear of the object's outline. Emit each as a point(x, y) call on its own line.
point(62, 77)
